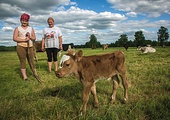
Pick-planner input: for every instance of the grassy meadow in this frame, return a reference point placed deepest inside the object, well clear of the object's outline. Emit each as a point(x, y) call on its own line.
point(60, 99)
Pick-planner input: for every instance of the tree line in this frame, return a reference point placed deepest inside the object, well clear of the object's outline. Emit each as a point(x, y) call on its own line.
point(139, 40)
point(162, 40)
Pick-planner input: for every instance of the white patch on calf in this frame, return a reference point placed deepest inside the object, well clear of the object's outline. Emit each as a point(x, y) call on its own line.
point(63, 59)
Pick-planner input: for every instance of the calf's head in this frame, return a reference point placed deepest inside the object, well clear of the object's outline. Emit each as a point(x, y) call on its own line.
point(68, 64)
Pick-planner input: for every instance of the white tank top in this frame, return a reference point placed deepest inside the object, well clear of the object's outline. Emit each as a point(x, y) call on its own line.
point(22, 34)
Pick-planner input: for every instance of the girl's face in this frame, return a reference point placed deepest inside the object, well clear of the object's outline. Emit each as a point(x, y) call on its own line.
point(51, 23)
point(24, 23)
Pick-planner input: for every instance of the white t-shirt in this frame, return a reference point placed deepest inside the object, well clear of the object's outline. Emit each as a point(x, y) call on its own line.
point(51, 37)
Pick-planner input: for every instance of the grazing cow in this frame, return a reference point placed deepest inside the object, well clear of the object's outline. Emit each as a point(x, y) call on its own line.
point(105, 46)
point(89, 69)
point(93, 47)
point(126, 46)
point(146, 49)
point(36, 48)
point(68, 46)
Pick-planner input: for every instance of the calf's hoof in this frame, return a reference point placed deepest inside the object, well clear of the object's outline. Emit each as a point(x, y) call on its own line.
point(82, 113)
point(112, 101)
point(96, 105)
point(125, 101)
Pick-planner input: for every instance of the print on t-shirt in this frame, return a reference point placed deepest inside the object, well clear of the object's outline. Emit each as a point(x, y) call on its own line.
point(50, 35)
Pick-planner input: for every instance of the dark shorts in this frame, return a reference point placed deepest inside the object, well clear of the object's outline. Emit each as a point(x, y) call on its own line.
point(52, 54)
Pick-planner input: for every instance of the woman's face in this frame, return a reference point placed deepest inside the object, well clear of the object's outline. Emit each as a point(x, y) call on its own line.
point(51, 23)
point(24, 23)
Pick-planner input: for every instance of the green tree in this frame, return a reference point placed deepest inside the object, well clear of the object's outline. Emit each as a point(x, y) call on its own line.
point(88, 45)
point(139, 38)
point(163, 36)
point(93, 42)
point(123, 40)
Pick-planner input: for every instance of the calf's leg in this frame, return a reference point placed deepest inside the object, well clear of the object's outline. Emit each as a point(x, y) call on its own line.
point(86, 91)
point(93, 91)
point(122, 72)
point(35, 54)
point(115, 87)
point(125, 86)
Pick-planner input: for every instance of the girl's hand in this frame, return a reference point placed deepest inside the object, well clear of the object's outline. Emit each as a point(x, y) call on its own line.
point(27, 35)
point(61, 47)
point(27, 39)
point(43, 49)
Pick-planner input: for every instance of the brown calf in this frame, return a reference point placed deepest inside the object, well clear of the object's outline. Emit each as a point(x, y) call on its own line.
point(88, 69)
point(105, 46)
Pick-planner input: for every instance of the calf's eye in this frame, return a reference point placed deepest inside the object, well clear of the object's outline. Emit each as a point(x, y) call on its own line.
point(67, 64)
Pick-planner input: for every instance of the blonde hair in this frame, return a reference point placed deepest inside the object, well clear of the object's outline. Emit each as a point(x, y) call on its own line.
point(50, 18)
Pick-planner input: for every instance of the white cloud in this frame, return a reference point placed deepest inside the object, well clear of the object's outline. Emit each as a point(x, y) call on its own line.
point(131, 14)
point(9, 10)
point(78, 24)
point(4, 29)
point(151, 8)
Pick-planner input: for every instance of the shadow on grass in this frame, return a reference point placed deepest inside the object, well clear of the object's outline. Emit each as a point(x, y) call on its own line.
point(65, 92)
point(73, 92)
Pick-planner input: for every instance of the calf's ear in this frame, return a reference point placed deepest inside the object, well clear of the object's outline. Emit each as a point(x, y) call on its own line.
point(78, 55)
point(71, 51)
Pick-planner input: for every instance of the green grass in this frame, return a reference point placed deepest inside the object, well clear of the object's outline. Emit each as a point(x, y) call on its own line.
point(60, 99)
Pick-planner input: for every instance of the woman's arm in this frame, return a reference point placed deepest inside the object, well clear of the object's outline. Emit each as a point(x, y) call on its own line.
point(43, 44)
point(60, 42)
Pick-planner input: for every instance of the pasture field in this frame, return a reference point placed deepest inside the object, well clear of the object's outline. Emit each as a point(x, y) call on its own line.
point(60, 99)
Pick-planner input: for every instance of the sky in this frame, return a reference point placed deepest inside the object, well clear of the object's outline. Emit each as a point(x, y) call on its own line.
point(78, 19)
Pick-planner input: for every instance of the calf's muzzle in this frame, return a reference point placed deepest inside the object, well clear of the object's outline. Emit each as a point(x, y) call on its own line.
point(58, 74)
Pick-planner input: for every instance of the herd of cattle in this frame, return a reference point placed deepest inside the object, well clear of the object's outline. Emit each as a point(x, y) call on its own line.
point(89, 69)
point(144, 49)
point(37, 48)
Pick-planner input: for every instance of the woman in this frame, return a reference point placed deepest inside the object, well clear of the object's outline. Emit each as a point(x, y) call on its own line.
point(52, 43)
point(24, 35)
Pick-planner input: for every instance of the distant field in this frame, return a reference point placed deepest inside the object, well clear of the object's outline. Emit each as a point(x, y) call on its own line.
point(60, 99)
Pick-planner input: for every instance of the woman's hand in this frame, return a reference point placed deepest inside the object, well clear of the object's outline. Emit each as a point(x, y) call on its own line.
point(43, 49)
point(28, 37)
point(61, 47)
point(27, 34)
